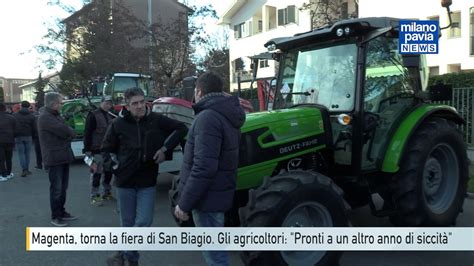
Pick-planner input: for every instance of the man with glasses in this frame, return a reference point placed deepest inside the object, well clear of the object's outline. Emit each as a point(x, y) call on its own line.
point(55, 140)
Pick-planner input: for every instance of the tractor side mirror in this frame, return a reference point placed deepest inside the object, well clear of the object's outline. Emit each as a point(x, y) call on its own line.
point(441, 92)
point(446, 3)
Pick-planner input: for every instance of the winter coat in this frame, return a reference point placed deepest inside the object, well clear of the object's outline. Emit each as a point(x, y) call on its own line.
point(8, 125)
point(55, 138)
point(94, 131)
point(25, 123)
point(136, 142)
point(211, 155)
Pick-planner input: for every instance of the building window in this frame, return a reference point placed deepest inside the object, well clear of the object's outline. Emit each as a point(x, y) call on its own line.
point(454, 68)
point(434, 18)
point(286, 15)
point(238, 30)
point(455, 29)
point(434, 71)
point(471, 33)
point(271, 17)
point(264, 63)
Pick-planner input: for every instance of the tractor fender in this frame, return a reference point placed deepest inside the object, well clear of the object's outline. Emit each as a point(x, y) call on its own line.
point(409, 125)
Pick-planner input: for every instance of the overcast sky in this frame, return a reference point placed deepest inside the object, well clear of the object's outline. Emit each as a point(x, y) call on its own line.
point(22, 27)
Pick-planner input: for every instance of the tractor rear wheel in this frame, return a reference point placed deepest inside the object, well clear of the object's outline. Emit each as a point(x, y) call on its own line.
point(431, 185)
point(296, 199)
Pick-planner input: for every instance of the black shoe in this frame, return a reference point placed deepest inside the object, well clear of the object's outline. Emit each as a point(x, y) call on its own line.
point(115, 260)
point(132, 263)
point(39, 167)
point(68, 217)
point(58, 222)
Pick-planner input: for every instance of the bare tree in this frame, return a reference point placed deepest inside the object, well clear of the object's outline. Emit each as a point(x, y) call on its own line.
point(327, 12)
point(98, 41)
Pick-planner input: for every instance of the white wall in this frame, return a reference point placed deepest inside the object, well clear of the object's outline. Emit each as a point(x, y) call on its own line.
point(253, 45)
point(451, 50)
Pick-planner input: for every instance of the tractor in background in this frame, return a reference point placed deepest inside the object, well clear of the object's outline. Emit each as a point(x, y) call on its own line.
point(75, 110)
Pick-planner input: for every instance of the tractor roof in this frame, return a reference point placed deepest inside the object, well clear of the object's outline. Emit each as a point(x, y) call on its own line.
point(131, 75)
point(357, 27)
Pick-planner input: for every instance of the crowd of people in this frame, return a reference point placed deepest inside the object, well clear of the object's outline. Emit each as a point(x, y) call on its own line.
point(129, 148)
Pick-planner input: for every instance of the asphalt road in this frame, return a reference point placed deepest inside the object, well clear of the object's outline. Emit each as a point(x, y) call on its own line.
point(25, 202)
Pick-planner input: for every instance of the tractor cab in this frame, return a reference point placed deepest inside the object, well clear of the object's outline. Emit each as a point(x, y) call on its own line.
point(354, 71)
point(122, 81)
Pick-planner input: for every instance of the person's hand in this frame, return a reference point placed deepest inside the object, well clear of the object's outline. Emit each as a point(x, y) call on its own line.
point(106, 157)
point(93, 168)
point(180, 214)
point(160, 156)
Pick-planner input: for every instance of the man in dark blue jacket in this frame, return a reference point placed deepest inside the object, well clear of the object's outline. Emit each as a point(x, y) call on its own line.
point(8, 125)
point(23, 136)
point(211, 156)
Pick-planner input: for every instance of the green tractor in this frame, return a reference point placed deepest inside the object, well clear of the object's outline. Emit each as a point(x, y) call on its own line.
point(353, 121)
point(75, 110)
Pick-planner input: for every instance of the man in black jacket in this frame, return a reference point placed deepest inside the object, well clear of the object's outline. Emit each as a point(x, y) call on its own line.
point(140, 139)
point(55, 139)
point(211, 156)
point(7, 141)
point(96, 124)
point(23, 136)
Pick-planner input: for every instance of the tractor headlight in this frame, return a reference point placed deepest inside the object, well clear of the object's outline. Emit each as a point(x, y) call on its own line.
point(344, 119)
point(271, 47)
point(339, 32)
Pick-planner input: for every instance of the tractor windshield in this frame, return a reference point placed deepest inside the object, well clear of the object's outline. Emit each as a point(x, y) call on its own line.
point(118, 85)
point(324, 76)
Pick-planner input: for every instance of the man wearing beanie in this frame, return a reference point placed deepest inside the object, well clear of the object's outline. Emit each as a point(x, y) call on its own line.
point(23, 136)
point(96, 125)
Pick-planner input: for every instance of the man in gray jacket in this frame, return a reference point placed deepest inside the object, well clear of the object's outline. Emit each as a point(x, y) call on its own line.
point(55, 139)
point(7, 141)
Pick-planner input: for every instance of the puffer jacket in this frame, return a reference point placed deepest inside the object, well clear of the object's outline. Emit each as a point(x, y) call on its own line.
point(8, 125)
point(26, 123)
point(211, 155)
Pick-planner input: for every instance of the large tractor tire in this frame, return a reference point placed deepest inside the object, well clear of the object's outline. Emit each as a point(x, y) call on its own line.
point(296, 199)
point(430, 188)
point(173, 195)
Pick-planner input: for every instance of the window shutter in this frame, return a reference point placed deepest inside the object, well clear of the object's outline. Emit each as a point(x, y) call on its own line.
point(281, 17)
point(291, 14)
point(236, 31)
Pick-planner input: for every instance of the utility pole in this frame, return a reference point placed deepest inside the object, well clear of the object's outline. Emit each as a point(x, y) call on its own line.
point(150, 50)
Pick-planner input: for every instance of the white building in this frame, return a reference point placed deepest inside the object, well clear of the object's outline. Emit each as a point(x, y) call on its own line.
point(28, 90)
point(456, 46)
point(254, 22)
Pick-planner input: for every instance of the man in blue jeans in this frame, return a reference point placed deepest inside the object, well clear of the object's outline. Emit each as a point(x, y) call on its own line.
point(211, 156)
point(23, 136)
point(141, 140)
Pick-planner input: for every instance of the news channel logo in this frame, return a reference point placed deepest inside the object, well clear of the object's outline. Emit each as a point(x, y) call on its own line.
point(418, 37)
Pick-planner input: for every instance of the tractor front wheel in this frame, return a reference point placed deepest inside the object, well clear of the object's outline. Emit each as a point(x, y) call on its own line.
point(296, 199)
